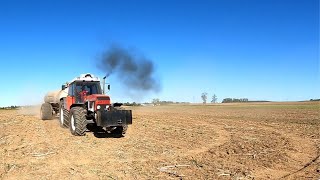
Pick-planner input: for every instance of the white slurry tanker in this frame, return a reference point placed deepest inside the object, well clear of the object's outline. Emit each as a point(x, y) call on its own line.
point(54, 98)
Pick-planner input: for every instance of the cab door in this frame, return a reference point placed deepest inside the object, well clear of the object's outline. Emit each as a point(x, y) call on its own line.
point(70, 100)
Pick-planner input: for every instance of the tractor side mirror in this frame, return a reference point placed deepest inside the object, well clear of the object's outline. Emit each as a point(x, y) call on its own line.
point(108, 86)
point(63, 87)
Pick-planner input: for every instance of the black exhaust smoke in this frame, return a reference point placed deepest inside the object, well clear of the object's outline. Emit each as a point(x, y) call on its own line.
point(136, 72)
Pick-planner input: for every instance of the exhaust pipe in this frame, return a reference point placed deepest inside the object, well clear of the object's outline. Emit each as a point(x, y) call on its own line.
point(104, 84)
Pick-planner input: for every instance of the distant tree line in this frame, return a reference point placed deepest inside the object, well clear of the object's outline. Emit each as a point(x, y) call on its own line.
point(131, 104)
point(204, 97)
point(231, 100)
point(10, 107)
point(157, 101)
point(153, 102)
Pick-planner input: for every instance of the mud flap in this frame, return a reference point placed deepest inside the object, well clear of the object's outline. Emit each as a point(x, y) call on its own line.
point(114, 118)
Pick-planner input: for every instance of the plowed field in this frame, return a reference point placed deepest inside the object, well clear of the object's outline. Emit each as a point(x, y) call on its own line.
point(233, 141)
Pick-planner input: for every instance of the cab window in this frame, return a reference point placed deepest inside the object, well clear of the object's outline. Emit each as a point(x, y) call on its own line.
point(71, 90)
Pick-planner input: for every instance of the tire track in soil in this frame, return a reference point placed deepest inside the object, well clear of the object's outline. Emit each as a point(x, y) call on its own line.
point(297, 158)
point(303, 147)
point(223, 137)
point(36, 147)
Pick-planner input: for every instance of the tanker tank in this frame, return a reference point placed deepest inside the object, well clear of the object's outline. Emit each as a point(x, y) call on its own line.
point(53, 97)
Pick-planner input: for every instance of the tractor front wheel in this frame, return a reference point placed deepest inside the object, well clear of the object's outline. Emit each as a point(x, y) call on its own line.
point(78, 121)
point(119, 130)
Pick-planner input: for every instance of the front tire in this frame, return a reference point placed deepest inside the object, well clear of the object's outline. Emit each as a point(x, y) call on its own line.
point(64, 119)
point(120, 130)
point(46, 111)
point(78, 121)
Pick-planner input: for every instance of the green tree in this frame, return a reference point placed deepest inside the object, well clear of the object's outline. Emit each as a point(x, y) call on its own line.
point(214, 98)
point(227, 100)
point(204, 97)
point(155, 101)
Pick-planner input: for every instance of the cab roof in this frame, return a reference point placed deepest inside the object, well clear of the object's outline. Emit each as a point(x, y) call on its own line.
point(86, 77)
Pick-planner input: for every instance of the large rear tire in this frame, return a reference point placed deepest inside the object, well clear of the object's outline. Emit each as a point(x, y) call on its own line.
point(46, 111)
point(64, 119)
point(78, 121)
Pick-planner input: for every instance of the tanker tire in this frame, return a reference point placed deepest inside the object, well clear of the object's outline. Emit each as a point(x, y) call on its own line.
point(64, 119)
point(46, 111)
point(78, 121)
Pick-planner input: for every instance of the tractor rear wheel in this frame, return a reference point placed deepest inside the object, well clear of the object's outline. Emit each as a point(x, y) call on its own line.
point(46, 111)
point(78, 121)
point(64, 119)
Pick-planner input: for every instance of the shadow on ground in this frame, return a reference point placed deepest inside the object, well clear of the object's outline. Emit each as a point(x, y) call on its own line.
point(99, 132)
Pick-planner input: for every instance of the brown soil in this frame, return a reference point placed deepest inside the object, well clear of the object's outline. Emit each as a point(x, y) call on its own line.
point(234, 141)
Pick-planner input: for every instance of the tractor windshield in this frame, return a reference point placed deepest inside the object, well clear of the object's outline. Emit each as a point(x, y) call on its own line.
point(83, 89)
point(89, 87)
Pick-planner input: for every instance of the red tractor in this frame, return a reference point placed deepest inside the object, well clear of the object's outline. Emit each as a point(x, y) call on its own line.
point(83, 102)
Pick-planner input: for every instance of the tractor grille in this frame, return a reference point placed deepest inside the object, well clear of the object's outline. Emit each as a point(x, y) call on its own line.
point(103, 98)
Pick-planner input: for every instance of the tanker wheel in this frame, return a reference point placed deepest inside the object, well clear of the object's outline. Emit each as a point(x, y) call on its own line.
point(78, 121)
point(46, 111)
point(64, 119)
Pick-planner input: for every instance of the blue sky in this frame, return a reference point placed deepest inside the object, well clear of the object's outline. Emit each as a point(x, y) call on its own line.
point(261, 50)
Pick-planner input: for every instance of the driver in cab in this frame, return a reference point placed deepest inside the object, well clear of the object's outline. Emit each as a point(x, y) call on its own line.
point(83, 93)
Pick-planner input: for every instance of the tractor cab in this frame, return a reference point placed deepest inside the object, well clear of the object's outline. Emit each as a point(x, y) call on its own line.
point(80, 90)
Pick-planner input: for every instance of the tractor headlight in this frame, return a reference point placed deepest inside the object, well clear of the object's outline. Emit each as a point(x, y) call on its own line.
point(98, 107)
